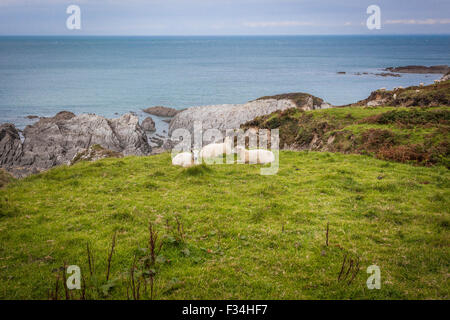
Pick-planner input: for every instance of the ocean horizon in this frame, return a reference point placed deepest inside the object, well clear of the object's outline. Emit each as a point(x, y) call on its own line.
point(112, 75)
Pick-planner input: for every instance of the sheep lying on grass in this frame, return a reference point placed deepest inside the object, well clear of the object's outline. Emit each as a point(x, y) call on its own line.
point(185, 159)
point(260, 156)
point(215, 150)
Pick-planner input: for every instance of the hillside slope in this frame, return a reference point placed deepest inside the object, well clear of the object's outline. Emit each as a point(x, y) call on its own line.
point(418, 135)
point(239, 235)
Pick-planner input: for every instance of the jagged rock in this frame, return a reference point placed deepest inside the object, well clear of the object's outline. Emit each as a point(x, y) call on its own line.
point(231, 116)
point(10, 145)
point(304, 101)
point(94, 153)
point(376, 103)
point(161, 111)
point(157, 141)
point(56, 140)
point(148, 124)
point(446, 77)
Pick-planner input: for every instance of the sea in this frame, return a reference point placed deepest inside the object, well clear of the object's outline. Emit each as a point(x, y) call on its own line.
point(110, 76)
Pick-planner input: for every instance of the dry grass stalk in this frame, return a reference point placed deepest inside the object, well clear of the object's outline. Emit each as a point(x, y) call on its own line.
point(113, 244)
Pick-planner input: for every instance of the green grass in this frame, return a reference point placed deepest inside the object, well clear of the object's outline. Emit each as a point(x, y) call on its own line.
point(247, 236)
point(419, 135)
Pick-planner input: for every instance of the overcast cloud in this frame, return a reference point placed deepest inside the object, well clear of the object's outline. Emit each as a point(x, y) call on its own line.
point(223, 17)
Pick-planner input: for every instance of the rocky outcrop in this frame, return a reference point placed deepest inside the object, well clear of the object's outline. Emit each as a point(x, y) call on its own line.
point(381, 74)
point(303, 101)
point(425, 96)
point(445, 77)
point(10, 145)
point(231, 116)
point(161, 111)
point(57, 140)
point(388, 74)
point(148, 124)
point(420, 69)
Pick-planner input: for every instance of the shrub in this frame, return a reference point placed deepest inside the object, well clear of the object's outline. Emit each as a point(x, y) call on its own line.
point(374, 139)
point(405, 153)
point(411, 117)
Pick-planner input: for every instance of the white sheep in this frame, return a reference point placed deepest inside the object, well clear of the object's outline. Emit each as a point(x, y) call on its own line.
point(260, 156)
point(215, 150)
point(185, 159)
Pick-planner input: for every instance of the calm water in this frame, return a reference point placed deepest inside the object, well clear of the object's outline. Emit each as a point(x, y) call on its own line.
point(113, 75)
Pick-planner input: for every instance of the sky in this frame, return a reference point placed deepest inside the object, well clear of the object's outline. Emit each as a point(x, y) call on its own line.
point(223, 17)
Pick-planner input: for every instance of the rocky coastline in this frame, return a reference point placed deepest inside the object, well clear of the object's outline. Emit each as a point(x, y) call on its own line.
point(397, 71)
point(58, 140)
point(440, 69)
point(67, 137)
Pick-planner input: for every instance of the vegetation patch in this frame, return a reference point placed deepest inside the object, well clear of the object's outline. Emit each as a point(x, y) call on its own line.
point(434, 95)
point(5, 178)
point(197, 170)
point(414, 117)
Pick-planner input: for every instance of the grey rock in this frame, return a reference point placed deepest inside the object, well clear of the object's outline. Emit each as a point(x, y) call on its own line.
point(161, 111)
point(57, 140)
point(232, 116)
point(445, 77)
point(148, 124)
point(10, 145)
point(443, 69)
point(157, 141)
point(388, 74)
point(376, 103)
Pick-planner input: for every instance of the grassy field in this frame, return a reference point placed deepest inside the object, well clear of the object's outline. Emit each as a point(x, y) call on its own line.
point(239, 235)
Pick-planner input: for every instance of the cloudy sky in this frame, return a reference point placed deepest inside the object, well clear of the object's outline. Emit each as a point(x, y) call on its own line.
point(223, 17)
